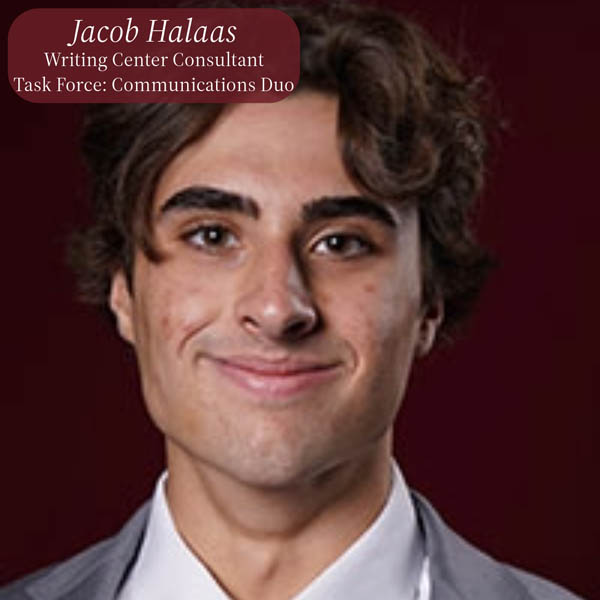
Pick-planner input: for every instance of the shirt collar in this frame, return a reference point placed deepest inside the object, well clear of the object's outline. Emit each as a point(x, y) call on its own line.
point(386, 562)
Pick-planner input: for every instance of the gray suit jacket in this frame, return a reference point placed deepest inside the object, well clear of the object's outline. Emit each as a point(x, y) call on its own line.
point(458, 570)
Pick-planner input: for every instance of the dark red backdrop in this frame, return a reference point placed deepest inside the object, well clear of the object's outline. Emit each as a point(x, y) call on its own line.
point(500, 431)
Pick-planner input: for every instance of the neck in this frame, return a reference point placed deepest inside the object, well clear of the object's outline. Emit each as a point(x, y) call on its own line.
point(271, 542)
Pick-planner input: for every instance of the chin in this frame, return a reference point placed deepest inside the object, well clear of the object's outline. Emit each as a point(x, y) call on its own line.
point(277, 465)
point(276, 471)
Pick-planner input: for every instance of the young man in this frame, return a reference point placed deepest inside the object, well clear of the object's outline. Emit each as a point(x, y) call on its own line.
point(278, 268)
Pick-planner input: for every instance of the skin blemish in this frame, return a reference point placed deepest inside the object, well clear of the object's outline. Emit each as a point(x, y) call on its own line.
point(165, 322)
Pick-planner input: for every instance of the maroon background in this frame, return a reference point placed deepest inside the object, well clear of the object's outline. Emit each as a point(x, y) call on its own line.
point(500, 431)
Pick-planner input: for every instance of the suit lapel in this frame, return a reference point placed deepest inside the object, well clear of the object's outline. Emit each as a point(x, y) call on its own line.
point(96, 573)
point(458, 570)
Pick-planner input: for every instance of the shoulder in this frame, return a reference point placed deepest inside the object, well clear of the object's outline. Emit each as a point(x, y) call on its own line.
point(98, 567)
point(59, 575)
point(459, 570)
point(16, 589)
point(542, 588)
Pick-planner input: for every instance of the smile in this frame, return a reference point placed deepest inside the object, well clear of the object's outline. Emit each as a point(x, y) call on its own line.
point(276, 379)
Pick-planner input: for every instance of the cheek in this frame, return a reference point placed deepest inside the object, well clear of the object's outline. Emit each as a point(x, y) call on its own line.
point(168, 313)
point(171, 309)
point(379, 318)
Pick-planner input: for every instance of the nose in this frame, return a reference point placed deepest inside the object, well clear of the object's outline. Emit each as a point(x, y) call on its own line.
point(276, 304)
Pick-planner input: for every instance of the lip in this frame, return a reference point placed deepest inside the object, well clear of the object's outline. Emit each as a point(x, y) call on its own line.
point(279, 378)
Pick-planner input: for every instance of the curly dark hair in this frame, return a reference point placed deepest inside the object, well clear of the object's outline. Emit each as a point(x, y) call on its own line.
point(410, 128)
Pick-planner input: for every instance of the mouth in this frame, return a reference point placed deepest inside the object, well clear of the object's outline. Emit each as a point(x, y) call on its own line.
point(276, 378)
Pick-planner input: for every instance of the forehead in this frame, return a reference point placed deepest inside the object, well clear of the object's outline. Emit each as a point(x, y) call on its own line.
point(286, 151)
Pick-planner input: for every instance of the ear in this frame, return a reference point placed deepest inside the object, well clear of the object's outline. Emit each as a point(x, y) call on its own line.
point(432, 319)
point(121, 304)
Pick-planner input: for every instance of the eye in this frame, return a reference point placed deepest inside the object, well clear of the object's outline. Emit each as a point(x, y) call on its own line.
point(212, 238)
point(343, 245)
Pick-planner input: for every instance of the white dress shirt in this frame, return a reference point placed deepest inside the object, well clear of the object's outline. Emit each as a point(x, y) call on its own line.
point(386, 562)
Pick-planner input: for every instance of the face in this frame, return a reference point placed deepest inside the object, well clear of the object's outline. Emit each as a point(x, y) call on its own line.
point(276, 336)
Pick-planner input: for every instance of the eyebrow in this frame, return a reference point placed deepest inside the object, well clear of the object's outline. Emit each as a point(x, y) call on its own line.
point(332, 207)
point(210, 198)
point(326, 207)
